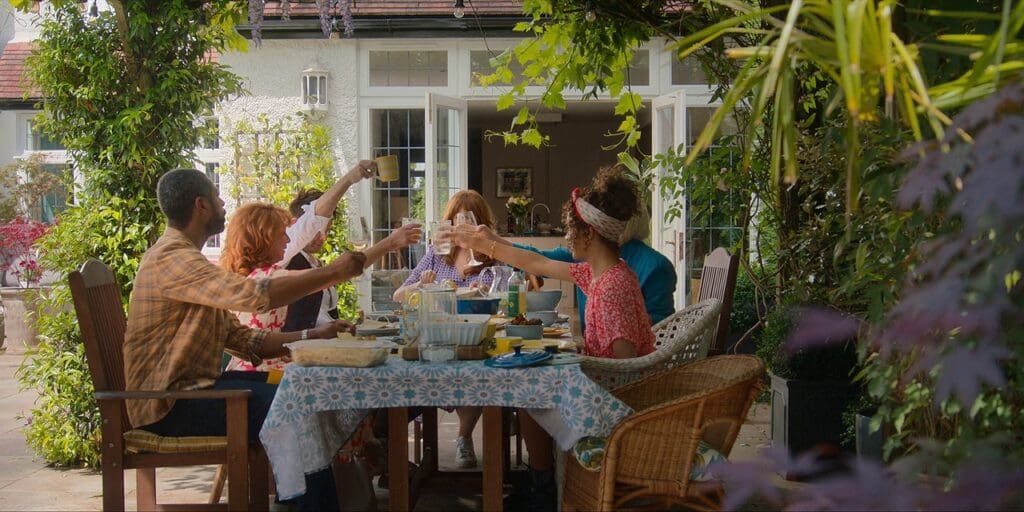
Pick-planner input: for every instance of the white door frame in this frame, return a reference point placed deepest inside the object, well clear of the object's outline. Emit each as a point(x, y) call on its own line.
point(669, 238)
point(458, 135)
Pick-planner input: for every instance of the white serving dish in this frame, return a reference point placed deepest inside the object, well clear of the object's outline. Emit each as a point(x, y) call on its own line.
point(547, 317)
point(352, 353)
point(467, 330)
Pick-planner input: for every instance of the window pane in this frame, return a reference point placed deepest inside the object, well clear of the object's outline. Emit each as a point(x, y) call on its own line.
point(480, 64)
point(401, 68)
point(211, 172)
point(639, 71)
point(687, 71)
point(39, 141)
point(211, 134)
point(398, 132)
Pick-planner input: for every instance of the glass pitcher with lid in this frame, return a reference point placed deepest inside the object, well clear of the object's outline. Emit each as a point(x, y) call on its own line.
point(499, 281)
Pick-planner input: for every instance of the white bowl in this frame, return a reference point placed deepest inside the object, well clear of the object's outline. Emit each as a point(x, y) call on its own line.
point(543, 300)
point(546, 317)
point(526, 332)
point(467, 330)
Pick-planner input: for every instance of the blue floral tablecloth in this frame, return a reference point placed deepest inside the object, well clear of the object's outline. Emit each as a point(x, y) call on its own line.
point(317, 408)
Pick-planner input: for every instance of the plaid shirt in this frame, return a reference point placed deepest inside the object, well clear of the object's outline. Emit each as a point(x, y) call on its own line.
point(180, 323)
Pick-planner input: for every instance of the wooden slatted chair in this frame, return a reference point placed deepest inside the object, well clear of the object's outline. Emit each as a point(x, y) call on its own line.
point(718, 281)
point(97, 301)
point(648, 458)
point(681, 338)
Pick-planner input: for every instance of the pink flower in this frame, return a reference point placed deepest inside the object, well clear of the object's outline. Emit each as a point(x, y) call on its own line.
point(16, 240)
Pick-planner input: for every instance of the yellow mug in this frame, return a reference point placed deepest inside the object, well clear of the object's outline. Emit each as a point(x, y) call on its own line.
point(504, 344)
point(387, 167)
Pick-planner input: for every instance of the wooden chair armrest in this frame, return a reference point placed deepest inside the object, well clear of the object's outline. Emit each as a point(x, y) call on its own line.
point(198, 394)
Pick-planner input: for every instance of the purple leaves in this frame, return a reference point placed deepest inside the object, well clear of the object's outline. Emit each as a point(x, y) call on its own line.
point(818, 327)
point(964, 370)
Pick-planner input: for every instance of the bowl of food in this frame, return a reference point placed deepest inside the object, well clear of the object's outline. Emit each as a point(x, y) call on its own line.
point(546, 317)
point(524, 328)
point(478, 306)
point(543, 300)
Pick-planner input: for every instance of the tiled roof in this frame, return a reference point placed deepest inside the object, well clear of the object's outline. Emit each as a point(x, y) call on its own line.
point(12, 68)
point(305, 8)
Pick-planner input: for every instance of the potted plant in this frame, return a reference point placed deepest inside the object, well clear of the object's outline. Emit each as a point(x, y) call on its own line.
point(810, 390)
point(19, 261)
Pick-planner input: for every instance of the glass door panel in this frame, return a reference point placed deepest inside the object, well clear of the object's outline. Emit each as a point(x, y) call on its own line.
point(669, 131)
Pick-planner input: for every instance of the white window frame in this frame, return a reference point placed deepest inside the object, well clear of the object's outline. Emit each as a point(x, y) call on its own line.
point(375, 45)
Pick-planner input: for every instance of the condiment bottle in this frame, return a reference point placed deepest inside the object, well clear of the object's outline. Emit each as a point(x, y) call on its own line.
point(516, 295)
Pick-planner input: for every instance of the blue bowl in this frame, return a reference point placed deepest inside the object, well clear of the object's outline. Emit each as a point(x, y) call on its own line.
point(480, 306)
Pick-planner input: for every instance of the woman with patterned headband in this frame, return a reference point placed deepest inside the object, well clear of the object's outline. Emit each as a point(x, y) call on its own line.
point(617, 322)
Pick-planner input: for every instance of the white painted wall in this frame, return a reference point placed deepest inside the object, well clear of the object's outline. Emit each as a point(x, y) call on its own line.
point(272, 75)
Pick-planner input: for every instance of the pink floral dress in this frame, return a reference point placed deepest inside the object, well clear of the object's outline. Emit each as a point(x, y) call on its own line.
point(271, 320)
point(615, 310)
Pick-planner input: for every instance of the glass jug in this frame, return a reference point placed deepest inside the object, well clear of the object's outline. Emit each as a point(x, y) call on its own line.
point(499, 283)
point(436, 306)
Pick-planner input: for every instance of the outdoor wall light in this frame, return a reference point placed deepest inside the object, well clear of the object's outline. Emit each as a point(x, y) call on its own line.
point(314, 91)
point(460, 9)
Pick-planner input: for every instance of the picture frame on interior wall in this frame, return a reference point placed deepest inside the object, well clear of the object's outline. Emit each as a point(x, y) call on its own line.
point(514, 181)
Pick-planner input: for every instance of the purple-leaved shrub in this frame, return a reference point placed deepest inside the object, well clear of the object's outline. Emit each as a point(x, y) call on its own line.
point(960, 323)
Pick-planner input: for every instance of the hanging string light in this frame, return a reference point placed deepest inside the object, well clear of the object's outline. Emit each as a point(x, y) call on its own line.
point(460, 9)
point(588, 12)
point(94, 11)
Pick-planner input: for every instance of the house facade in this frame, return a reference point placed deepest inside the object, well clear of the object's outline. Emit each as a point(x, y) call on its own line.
point(405, 82)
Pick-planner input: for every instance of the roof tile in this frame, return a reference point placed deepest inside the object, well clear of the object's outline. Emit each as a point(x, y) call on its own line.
point(13, 83)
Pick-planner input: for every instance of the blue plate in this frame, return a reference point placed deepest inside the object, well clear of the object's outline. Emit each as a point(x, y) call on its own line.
point(518, 359)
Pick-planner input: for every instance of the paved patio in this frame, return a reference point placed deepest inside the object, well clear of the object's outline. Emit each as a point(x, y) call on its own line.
point(26, 483)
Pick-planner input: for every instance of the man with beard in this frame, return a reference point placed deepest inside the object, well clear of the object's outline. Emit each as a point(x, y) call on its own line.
point(180, 323)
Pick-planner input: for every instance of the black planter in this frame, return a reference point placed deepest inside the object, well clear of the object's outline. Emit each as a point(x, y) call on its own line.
point(869, 444)
point(808, 414)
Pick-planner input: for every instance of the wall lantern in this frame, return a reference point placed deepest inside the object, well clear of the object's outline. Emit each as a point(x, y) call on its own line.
point(314, 91)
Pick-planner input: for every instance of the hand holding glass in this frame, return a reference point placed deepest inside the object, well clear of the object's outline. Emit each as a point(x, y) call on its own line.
point(441, 246)
point(358, 233)
point(467, 218)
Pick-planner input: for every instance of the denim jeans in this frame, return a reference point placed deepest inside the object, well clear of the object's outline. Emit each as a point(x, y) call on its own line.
point(207, 418)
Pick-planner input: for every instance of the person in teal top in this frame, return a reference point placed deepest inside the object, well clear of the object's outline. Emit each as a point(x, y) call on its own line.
point(656, 274)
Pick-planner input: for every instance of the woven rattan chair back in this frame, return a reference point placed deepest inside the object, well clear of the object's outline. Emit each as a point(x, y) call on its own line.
point(718, 281)
point(650, 454)
point(681, 338)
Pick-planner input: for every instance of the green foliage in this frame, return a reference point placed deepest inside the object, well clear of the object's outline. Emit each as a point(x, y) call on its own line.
point(568, 53)
point(126, 112)
point(65, 422)
point(274, 160)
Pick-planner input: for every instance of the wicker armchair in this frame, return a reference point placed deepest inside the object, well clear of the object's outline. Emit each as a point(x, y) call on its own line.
point(650, 454)
point(681, 338)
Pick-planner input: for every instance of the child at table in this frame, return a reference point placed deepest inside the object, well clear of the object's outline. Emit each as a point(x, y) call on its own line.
point(617, 322)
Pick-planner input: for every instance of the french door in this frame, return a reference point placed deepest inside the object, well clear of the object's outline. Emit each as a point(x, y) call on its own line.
point(668, 130)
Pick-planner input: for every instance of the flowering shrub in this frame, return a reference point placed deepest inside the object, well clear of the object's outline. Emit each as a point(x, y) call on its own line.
point(518, 205)
point(16, 240)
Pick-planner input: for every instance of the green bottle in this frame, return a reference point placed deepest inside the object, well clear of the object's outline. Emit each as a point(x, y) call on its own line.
point(516, 285)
